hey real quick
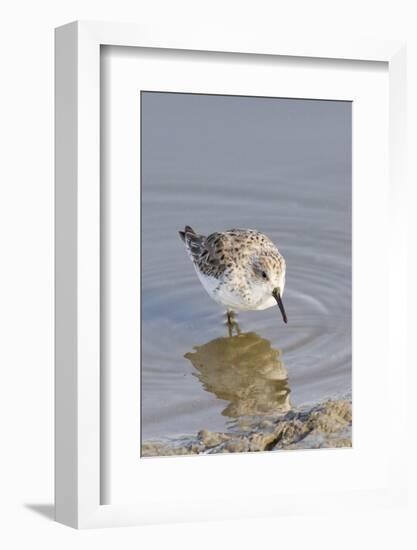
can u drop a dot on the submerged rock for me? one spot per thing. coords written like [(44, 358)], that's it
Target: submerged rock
[(326, 425)]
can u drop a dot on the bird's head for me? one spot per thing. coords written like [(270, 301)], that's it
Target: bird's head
[(267, 276)]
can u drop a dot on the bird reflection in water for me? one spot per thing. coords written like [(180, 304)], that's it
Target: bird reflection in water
[(245, 371)]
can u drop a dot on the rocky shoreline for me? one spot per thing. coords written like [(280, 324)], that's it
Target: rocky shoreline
[(324, 425)]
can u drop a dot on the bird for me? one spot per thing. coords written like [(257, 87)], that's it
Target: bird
[(241, 269)]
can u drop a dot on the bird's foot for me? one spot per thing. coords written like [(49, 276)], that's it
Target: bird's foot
[(232, 324)]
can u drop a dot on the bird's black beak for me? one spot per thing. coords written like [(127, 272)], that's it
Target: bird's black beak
[(276, 294)]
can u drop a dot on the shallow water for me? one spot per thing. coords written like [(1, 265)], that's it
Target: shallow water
[(279, 166)]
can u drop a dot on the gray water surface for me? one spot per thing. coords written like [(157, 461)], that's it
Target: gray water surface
[(277, 165)]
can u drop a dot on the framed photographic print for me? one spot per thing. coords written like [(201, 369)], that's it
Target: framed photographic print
[(228, 212)]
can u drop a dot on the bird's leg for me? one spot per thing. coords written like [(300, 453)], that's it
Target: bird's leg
[(232, 323), (229, 316)]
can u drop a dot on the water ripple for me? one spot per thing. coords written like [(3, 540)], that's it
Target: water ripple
[(178, 315)]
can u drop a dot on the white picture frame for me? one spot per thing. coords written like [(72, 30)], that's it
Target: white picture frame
[(78, 411)]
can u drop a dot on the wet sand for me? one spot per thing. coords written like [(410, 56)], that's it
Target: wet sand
[(324, 425)]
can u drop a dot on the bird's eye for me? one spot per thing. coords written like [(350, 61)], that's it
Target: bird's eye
[(264, 275)]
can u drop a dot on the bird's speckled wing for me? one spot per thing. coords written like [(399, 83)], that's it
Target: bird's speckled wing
[(205, 252)]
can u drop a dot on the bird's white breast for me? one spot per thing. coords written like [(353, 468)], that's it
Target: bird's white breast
[(225, 294)]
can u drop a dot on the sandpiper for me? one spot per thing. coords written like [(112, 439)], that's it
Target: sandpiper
[(239, 268)]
